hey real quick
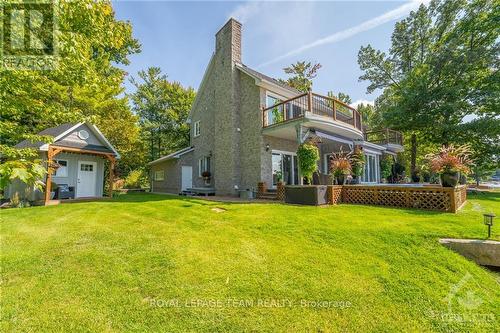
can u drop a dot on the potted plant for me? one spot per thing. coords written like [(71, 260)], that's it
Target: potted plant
[(340, 166), (308, 156), (386, 163), (206, 177), (449, 162), (357, 164), (53, 190)]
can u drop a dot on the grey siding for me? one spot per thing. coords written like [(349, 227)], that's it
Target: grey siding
[(172, 170), (73, 137), (71, 178)]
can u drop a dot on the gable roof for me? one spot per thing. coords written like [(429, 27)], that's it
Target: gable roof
[(59, 132), (176, 154), (263, 77), (53, 131)]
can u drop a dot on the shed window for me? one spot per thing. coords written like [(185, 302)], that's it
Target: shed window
[(62, 170), (159, 175)]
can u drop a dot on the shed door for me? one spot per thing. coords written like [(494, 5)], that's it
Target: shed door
[(186, 177), (86, 182)]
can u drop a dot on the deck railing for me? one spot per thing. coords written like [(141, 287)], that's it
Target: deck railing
[(386, 136), (315, 104)]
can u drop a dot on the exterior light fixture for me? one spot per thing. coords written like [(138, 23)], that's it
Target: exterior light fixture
[(267, 146), (488, 220)]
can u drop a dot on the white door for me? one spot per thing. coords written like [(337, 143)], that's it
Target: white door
[(186, 177), (86, 181)]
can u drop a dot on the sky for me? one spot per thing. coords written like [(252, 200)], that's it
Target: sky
[(179, 37)]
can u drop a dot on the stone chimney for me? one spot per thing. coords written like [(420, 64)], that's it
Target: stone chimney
[(228, 40)]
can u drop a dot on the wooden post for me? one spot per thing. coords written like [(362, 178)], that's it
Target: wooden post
[(48, 182), (111, 174), (309, 101), (334, 111)]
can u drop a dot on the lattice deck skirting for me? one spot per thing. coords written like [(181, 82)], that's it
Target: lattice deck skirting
[(428, 197), (448, 199)]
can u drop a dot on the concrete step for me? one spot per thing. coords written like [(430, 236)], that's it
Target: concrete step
[(267, 196)]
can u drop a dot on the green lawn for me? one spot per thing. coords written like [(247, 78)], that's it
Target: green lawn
[(146, 262)]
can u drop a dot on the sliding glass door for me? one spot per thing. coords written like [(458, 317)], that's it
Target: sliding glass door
[(370, 174), (284, 168)]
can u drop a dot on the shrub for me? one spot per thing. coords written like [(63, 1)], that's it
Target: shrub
[(135, 179), (386, 163)]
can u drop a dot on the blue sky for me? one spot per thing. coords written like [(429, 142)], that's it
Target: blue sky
[(179, 37)]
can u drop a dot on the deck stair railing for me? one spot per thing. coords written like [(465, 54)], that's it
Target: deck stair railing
[(315, 104)]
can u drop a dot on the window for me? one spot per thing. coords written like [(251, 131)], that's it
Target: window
[(62, 171), (159, 175), (370, 174), (86, 167), (83, 134), (197, 130), (203, 165)]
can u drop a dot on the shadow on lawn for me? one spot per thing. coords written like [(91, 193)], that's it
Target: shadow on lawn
[(151, 197)]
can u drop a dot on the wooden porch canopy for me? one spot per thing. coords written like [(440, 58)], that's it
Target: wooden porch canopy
[(53, 150)]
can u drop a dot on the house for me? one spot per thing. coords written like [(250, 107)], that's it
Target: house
[(75, 160), (246, 128)]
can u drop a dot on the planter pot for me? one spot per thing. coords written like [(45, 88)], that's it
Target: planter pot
[(356, 180), (341, 180), (450, 179), (415, 178), (306, 195)]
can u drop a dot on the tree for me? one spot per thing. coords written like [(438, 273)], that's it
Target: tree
[(85, 84), (370, 116), (163, 109), (441, 67), (340, 96), (302, 74)]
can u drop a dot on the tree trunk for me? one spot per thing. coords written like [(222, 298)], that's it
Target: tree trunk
[(413, 156)]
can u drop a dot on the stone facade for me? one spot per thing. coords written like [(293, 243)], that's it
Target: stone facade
[(227, 107), (228, 111)]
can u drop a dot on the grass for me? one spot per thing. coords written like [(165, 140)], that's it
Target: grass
[(145, 262)]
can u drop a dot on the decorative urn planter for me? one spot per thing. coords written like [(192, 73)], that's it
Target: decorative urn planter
[(341, 179), (450, 179)]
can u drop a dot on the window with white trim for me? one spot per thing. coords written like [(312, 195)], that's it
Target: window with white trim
[(62, 170), (196, 129), (203, 165), (159, 175)]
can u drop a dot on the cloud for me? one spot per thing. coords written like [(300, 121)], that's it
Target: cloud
[(347, 33), (362, 101), (244, 12)]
